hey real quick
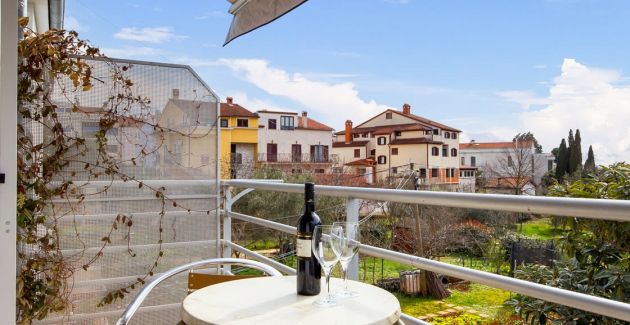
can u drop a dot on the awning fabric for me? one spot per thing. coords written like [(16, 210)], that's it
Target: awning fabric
[(252, 14)]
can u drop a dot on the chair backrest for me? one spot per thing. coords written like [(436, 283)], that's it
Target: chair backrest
[(146, 289)]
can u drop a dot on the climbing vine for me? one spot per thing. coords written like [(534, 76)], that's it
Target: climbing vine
[(56, 163)]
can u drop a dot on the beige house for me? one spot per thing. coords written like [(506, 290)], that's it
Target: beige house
[(395, 143)]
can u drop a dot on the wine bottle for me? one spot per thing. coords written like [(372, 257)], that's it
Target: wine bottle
[(309, 271)]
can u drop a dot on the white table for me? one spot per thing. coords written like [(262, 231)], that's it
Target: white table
[(273, 300)]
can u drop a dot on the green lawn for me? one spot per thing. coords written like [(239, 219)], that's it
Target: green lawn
[(540, 229)]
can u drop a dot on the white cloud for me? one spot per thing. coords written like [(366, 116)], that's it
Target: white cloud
[(212, 14), (596, 101), (132, 52), (332, 102), (256, 104), (526, 99), (71, 23), (148, 34)]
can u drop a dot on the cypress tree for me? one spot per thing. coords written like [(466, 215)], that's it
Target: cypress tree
[(562, 160), (575, 154), (589, 165)]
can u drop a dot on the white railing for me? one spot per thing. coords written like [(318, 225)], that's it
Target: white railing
[(615, 210)]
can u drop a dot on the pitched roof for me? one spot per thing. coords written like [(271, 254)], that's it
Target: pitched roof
[(495, 145), (276, 112), (235, 110), (361, 162), (311, 124), (507, 182), (418, 118), (387, 129), (341, 144), (414, 141)]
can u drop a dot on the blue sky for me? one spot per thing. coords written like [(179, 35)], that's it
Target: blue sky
[(490, 68)]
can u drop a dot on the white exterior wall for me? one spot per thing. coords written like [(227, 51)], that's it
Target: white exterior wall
[(488, 160), (381, 120), (286, 138)]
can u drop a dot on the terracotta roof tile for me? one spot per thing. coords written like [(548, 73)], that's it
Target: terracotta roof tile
[(340, 144), (361, 162), (235, 110), (386, 129), (311, 124), (494, 145)]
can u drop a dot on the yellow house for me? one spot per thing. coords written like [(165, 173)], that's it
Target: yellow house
[(188, 140), (239, 140)]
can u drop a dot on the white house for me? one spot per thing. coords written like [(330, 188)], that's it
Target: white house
[(506, 161), (394, 143), (293, 143)]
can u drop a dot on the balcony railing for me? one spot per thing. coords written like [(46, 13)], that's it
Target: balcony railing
[(585, 208), (285, 158)]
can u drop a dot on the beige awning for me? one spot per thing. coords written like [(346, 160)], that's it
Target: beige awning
[(252, 14)]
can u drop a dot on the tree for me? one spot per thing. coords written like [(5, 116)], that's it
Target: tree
[(516, 166), (597, 254), (589, 165), (562, 160), (575, 153), (529, 136)]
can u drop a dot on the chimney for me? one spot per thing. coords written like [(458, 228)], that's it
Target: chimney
[(304, 119), (175, 93), (348, 131), (406, 108), (230, 100)]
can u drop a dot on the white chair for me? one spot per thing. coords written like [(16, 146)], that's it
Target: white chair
[(146, 289)]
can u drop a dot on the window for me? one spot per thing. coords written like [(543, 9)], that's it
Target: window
[(447, 135), (205, 159), (444, 151), (463, 161), (388, 116), (357, 153), (549, 164), (272, 123), (394, 170), (453, 152), (337, 170), (436, 132), (448, 172), (356, 135), (434, 172), (224, 123), (362, 171), (453, 171), (394, 151), (382, 160), (423, 173), (319, 153), (435, 151), (473, 161), (454, 135), (242, 122), (372, 152), (319, 171), (296, 152), (90, 129), (286, 123), (510, 161), (398, 133), (364, 135), (382, 140)]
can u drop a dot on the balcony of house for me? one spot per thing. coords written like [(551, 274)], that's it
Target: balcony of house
[(295, 158)]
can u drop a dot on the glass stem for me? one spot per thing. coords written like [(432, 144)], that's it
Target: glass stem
[(344, 269), (328, 284)]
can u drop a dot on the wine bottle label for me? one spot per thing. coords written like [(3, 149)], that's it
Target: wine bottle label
[(303, 247)]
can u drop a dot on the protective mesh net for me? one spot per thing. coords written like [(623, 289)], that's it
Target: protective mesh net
[(179, 162)]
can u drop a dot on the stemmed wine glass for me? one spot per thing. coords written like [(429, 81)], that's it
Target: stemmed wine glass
[(349, 248), (326, 245)]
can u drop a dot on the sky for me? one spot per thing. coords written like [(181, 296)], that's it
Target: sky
[(492, 68)]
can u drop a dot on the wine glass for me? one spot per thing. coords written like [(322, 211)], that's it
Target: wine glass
[(326, 245), (349, 248)]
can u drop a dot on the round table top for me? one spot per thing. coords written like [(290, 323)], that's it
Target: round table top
[(273, 300)]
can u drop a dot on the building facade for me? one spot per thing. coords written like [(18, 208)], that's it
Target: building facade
[(294, 143), (239, 140), (395, 143), (504, 164)]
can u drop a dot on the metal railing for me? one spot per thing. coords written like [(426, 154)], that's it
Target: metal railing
[(615, 210), (296, 158)]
